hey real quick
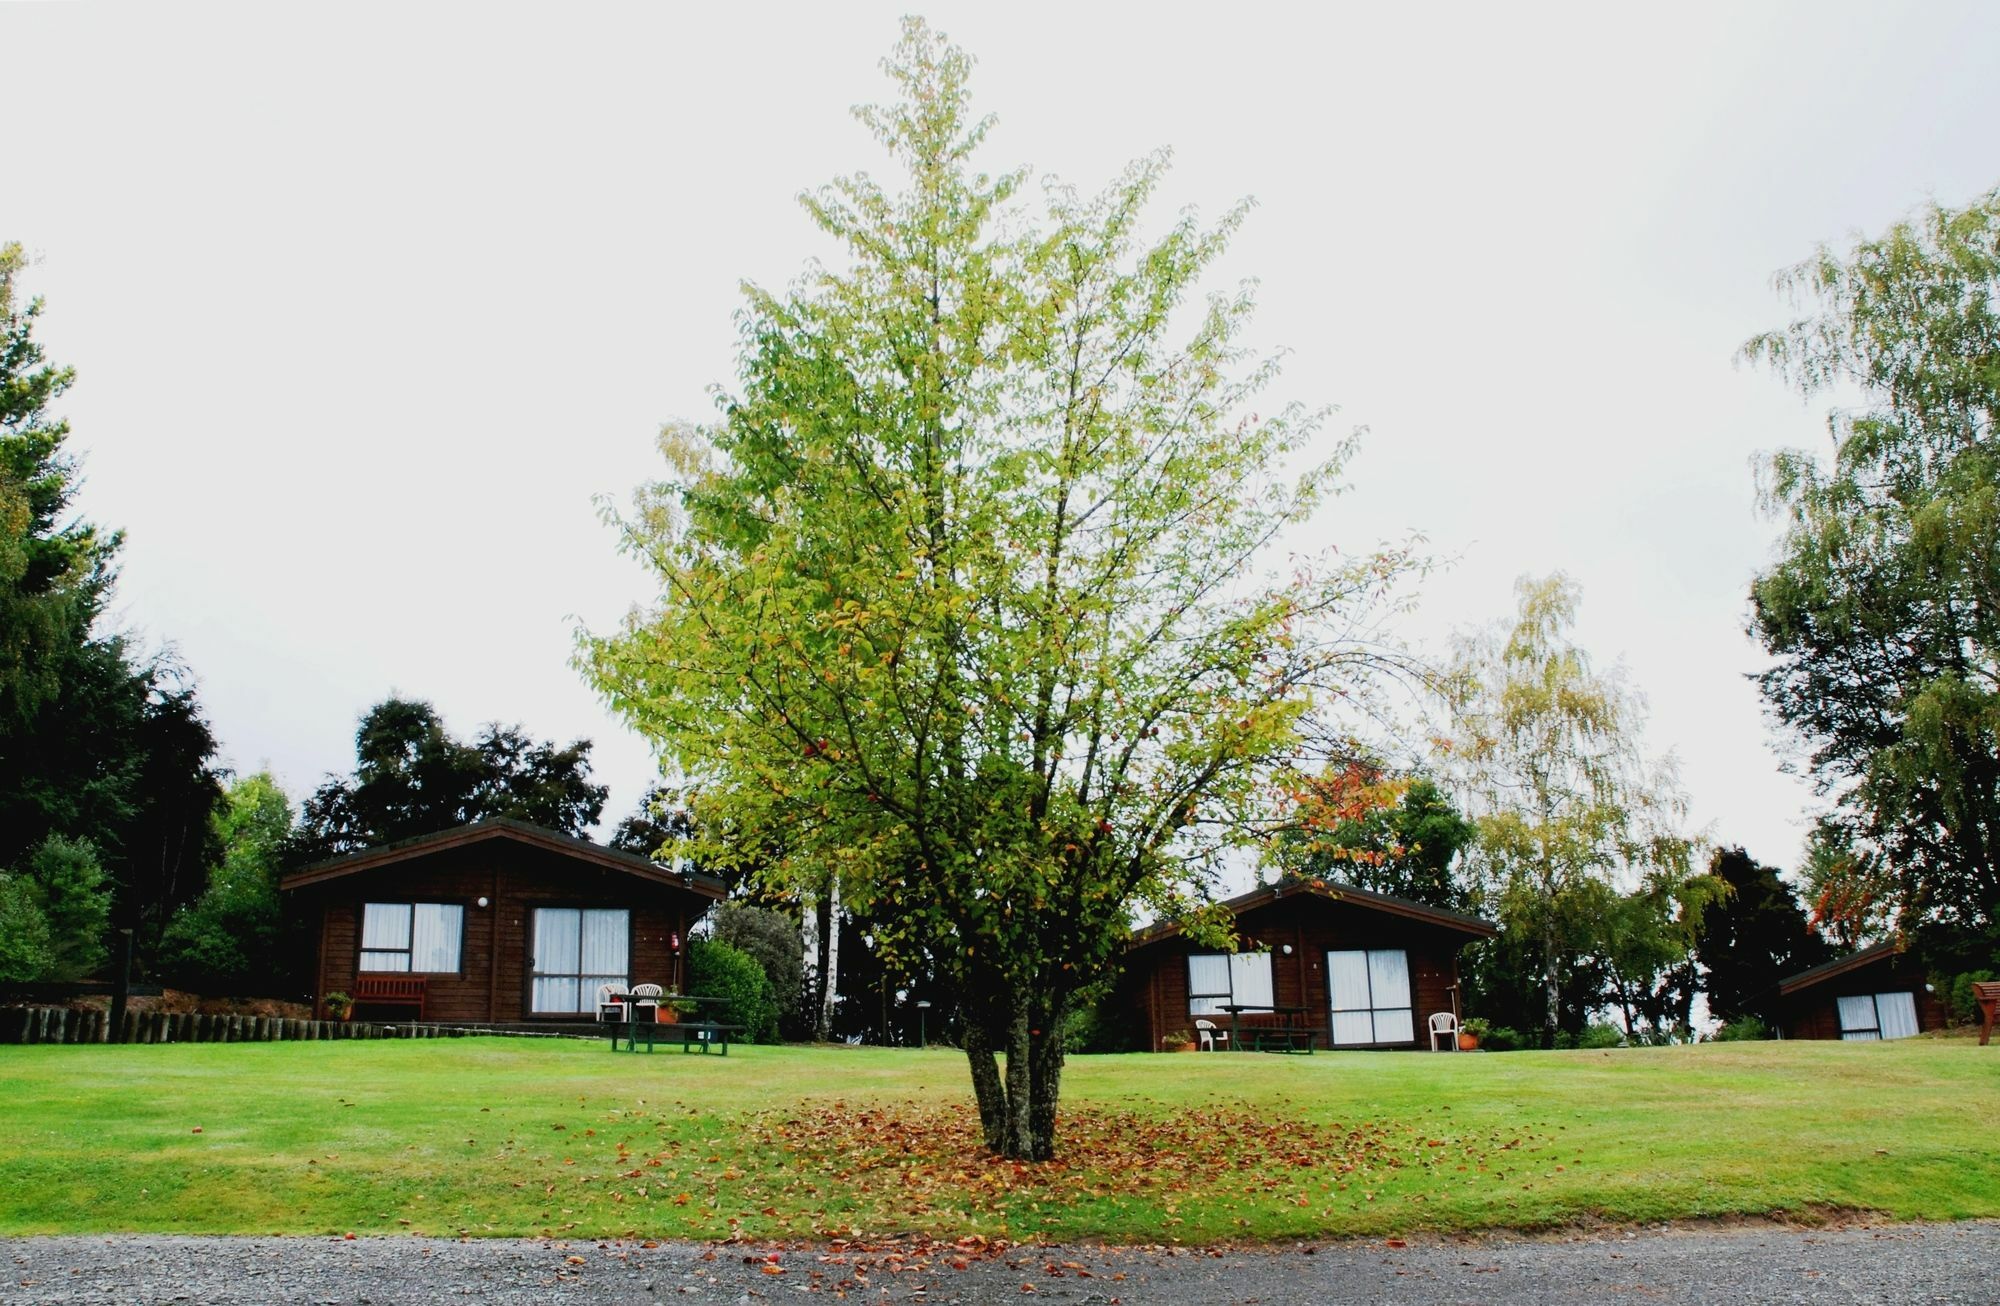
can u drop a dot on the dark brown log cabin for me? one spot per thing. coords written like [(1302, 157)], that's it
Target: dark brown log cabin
[(495, 922), (1876, 993), (1394, 963)]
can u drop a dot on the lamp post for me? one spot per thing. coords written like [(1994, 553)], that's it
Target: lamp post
[(923, 1017)]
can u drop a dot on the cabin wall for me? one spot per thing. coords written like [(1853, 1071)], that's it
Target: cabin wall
[(1312, 926), (492, 983)]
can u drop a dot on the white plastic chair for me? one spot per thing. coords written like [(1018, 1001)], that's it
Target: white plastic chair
[(607, 1010), (1446, 1024), (646, 1001), (1207, 1035)]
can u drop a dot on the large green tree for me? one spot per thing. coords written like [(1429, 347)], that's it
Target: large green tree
[(1882, 611), (412, 777), (99, 743), (1754, 937), (962, 599), (231, 939), (1572, 816)]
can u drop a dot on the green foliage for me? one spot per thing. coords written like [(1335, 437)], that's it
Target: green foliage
[(1598, 1035), (963, 602), (1960, 1005), (411, 777), (26, 951), (230, 940), (1403, 843), (1503, 1038), (1883, 610), (1743, 1029), (1582, 854), (96, 742), (717, 970), (773, 939), (54, 913), (1753, 937)]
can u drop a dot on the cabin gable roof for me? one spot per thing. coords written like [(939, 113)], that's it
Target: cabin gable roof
[(1331, 891), (508, 830)]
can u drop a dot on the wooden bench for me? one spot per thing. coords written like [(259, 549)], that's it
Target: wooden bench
[(1987, 994), (391, 990)]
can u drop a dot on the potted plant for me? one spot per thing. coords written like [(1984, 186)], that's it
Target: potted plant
[(1178, 1041), (339, 1006), (1470, 1032), (671, 1010)]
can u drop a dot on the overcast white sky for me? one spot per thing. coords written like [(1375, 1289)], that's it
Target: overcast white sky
[(368, 302)]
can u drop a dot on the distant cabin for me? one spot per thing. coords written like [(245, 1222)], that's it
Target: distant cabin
[(1876, 993), (496, 922), (1358, 969)]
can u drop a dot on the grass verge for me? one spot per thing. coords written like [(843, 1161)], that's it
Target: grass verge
[(525, 1137)]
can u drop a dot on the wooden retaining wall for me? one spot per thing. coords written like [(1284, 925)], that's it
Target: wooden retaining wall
[(63, 1025)]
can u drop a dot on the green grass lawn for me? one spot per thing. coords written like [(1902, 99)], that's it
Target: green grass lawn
[(506, 1136)]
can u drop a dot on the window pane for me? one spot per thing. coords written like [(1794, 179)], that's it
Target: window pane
[(1898, 1014), (1395, 1027), (1857, 1017), (1388, 981), (606, 934), (560, 996), (434, 936), (1208, 973), (385, 961), (1353, 1027), (1347, 977), (385, 925), (556, 943), (1250, 978)]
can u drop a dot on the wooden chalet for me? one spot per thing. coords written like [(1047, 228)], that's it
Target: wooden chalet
[(1876, 993), (1356, 969), (498, 922)]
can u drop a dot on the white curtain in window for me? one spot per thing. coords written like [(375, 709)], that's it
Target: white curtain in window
[(1347, 982), (1250, 979), (1208, 974), (434, 934), (1898, 1014), (559, 995), (1857, 1019), (1389, 985), (556, 940), (385, 925), (606, 934)]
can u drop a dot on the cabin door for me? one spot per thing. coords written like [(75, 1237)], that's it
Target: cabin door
[(1370, 992), (574, 951)]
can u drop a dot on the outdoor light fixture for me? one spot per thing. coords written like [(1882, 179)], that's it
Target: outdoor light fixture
[(1288, 949), (482, 902)]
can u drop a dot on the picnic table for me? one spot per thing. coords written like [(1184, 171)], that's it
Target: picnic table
[(1292, 1031), (632, 1026)]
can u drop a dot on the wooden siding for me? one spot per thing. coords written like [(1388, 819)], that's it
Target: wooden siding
[(1814, 1012), (492, 982), (1155, 988)]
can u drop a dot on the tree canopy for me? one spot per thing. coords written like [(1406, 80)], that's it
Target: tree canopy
[(1883, 609), (966, 600), (412, 777)]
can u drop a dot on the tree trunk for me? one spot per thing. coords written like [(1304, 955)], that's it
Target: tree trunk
[(831, 975), (1045, 1081), (986, 1086), (1552, 984)]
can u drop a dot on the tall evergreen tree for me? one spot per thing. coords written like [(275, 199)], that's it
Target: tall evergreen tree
[(1753, 937)]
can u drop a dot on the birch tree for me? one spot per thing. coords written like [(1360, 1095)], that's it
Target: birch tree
[(1570, 812), (971, 588)]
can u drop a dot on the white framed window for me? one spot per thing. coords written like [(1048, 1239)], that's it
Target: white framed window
[(1219, 979), (576, 950), (423, 937), (1870, 1016), (1370, 993)]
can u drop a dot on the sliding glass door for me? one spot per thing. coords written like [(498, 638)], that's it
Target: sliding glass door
[(576, 949)]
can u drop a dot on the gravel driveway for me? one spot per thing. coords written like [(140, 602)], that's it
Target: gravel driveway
[(1885, 1263)]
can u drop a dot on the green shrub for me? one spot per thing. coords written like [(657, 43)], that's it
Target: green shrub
[(1600, 1035), (1959, 1003), (717, 970), (1743, 1029), (25, 953), (1501, 1038)]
